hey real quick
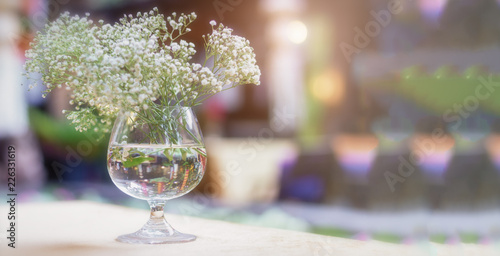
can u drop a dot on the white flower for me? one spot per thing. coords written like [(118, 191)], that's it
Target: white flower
[(142, 97), (175, 47), (135, 64)]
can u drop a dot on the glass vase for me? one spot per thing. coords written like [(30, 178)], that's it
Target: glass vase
[(156, 155)]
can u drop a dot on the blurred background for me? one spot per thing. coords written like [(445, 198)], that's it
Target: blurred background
[(375, 119)]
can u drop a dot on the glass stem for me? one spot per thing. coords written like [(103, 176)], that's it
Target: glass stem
[(157, 220), (156, 208)]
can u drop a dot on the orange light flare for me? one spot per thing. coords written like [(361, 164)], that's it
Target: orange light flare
[(161, 186), (346, 143), (186, 175)]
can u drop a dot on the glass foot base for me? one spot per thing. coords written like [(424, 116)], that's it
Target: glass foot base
[(157, 237), (156, 230)]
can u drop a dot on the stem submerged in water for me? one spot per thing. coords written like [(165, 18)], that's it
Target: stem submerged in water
[(168, 126)]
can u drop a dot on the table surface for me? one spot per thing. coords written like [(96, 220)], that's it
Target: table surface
[(87, 228)]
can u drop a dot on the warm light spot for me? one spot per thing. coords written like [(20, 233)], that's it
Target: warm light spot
[(358, 143), (426, 142), (297, 32), (329, 87)]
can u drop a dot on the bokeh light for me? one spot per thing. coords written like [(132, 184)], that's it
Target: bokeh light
[(297, 32)]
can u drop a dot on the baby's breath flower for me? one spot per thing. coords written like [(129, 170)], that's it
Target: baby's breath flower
[(138, 64)]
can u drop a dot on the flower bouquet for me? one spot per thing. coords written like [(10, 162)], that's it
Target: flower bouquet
[(139, 64)]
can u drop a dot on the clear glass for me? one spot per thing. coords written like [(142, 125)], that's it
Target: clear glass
[(156, 160)]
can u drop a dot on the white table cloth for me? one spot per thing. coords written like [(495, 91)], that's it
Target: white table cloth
[(74, 228)]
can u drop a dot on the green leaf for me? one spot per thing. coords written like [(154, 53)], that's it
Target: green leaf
[(201, 152), (169, 154), (136, 161), (137, 152), (161, 179), (177, 153)]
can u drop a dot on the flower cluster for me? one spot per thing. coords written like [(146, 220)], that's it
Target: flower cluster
[(234, 56), (137, 64)]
